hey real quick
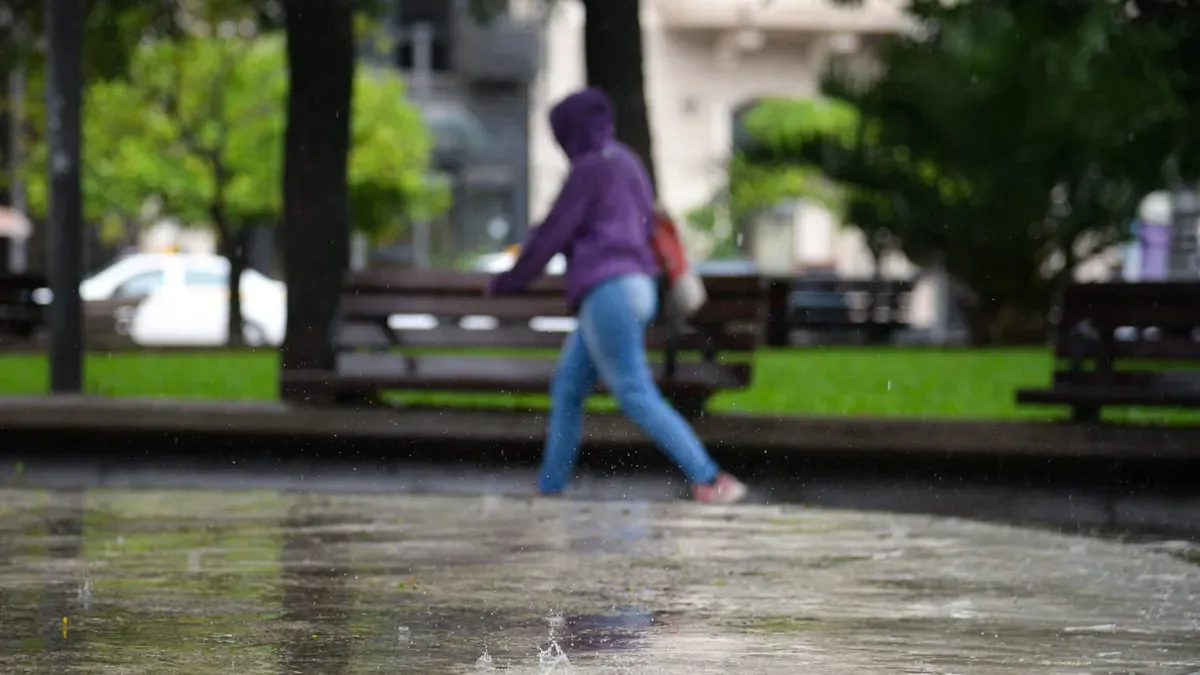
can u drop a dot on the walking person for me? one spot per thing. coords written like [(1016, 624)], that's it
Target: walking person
[(601, 222)]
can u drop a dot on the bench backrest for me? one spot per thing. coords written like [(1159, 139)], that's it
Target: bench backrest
[(19, 313), (1157, 320), (448, 309), (858, 300)]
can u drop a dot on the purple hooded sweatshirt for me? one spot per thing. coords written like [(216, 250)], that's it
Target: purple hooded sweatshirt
[(601, 219)]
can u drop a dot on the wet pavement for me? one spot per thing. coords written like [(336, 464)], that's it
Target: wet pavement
[(279, 581)]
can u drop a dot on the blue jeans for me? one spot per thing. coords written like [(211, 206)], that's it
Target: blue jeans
[(610, 344)]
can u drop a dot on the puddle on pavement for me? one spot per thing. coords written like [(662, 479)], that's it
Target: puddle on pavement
[(194, 582)]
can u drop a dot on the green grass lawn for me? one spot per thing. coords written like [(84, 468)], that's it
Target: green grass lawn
[(849, 381), (213, 375), (890, 382)]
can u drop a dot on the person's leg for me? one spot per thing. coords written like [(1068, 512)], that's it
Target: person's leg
[(574, 381), (613, 322)]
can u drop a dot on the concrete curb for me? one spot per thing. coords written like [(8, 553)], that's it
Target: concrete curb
[(785, 435)]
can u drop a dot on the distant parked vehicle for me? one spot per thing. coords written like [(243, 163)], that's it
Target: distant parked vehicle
[(165, 299)]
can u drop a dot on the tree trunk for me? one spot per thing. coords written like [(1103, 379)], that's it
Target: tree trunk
[(613, 52), (316, 246), (234, 250)]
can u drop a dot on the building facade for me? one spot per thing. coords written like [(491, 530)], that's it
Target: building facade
[(705, 61), (472, 82)]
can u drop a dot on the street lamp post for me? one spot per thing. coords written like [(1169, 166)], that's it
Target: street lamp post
[(64, 94)]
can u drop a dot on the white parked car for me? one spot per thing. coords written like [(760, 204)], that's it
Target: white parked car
[(186, 300)]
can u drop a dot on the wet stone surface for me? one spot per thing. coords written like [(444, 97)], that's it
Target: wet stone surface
[(165, 582)]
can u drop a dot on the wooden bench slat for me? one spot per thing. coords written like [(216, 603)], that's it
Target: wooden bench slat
[(379, 305), (434, 282), (1166, 349), (1122, 292), (22, 282), (365, 307), (20, 312), (1165, 317), (20, 316), (1092, 395), (372, 335), (1173, 380)]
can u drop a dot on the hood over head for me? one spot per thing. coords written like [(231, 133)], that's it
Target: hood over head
[(583, 122)]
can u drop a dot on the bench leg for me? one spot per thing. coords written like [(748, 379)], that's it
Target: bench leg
[(301, 396), (1085, 414), (358, 398), (691, 406), (319, 396)]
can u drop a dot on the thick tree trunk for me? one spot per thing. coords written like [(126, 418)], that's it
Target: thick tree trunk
[(316, 247), (614, 56)]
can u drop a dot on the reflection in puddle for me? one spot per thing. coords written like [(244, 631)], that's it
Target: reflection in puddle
[(248, 582), (60, 617), (315, 597), (624, 628)]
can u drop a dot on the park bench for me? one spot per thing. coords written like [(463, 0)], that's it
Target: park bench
[(873, 309), (21, 317), (106, 323), (1122, 344), (435, 331)]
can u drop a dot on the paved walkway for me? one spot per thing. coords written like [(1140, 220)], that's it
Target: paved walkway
[(269, 581)]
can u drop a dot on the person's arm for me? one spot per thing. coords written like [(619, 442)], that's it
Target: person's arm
[(549, 238)]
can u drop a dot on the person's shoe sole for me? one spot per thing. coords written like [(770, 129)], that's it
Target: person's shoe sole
[(734, 495)]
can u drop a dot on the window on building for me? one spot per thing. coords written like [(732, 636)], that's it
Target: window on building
[(438, 15), (742, 139)]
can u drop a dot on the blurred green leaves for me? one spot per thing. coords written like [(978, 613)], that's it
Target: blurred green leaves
[(198, 122), (1007, 139), (755, 185)]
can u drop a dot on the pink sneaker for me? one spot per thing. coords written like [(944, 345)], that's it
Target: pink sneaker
[(724, 490)]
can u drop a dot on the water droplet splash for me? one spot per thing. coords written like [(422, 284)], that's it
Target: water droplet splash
[(552, 658), (484, 662)]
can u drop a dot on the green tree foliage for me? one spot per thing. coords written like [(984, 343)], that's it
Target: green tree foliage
[(198, 125), (1007, 140), (754, 186)]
